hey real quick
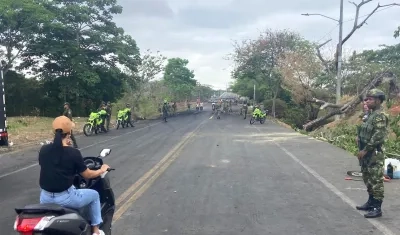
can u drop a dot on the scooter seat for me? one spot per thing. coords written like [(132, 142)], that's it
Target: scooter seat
[(45, 208), (51, 208)]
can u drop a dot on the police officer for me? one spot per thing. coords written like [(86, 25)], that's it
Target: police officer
[(129, 113), (372, 136), (102, 104), (68, 113), (108, 118), (103, 115)]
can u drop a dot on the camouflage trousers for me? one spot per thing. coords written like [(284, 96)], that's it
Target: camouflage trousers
[(372, 171)]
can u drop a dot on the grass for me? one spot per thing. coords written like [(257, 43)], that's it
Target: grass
[(28, 130), (32, 130)]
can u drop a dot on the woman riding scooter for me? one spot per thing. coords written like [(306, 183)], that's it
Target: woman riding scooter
[(59, 163)]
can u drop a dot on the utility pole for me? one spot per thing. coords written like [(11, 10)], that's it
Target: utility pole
[(339, 50), (254, 93), (339, 59)]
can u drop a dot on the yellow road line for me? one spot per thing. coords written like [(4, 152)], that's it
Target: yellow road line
[(124, 207), (158, 169), (147, 175)]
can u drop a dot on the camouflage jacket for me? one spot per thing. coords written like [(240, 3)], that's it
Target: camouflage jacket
[(165, 108), (68, 113), (364, 117), (374, 130), (109, 109)]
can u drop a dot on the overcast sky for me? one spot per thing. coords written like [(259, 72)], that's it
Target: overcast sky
[(202, 31)]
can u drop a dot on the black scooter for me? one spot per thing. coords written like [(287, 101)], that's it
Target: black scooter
[(52, 219)]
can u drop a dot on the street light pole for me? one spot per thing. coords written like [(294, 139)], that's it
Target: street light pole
[(254, 93), (339, 50), (339, 59)]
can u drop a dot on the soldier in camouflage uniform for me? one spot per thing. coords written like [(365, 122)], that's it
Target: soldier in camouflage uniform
[(364, 117), (108, 118), (68, 113), (371, 138), (244, 109)]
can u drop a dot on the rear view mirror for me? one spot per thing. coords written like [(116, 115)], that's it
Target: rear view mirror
[(105, 152)]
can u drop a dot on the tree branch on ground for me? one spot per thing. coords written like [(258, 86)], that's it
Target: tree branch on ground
[(345, 108)]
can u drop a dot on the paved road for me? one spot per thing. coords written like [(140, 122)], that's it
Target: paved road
[(199, 175)]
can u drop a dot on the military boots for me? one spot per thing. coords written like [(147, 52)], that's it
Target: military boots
[(367, 206), (375, 211)]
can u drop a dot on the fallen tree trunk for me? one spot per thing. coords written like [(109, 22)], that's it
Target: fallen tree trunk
[(345, 108)]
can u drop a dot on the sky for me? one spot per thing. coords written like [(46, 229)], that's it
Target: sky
[(203, 31)]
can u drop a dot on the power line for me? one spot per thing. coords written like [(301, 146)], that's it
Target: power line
[(346, 21), (330, 32), (368, 14)]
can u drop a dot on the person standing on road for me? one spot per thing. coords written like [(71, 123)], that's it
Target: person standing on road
[(244, 109), (129, 111), (372, 136), (102, 104), (108, 118), (68, 113), (165, 110), (174, 108)]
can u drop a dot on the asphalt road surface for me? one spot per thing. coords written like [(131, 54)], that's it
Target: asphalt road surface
[(196, 175)]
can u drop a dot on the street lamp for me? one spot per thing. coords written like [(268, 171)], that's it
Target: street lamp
[(339, 51), (317, 14)]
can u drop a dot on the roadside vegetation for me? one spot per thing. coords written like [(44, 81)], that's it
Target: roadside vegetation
[(295, 79), (72, 51)]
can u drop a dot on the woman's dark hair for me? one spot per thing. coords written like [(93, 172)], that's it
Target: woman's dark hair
[(58, 148)]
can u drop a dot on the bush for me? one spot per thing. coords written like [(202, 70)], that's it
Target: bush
[(344, 136), (295, 117), (147, 108), (280, 107)]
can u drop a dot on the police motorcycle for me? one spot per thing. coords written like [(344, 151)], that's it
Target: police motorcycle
[(261, 117), (53, 219)]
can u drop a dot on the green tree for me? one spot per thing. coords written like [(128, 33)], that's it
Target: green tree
[(258, 59), (202, 91), (152, 64), (397, 32), (179, 78), (83, 51), (20, 22)]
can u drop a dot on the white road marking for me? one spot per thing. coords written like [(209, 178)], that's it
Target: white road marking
[(380, 226)]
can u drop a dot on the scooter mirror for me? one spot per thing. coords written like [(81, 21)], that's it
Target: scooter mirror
[(105, 152)]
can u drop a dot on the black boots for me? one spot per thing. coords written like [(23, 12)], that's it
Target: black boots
[(367, 206), (375, 211), (373, 207)]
